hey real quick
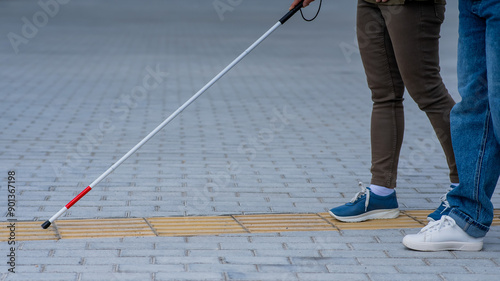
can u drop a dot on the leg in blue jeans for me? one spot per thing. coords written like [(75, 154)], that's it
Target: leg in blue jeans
[(475, 121)]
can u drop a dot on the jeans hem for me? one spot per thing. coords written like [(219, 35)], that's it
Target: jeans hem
[(470, 226)]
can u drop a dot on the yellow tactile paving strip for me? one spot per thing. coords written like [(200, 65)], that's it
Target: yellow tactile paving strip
[(98, 228), (192, 226), (284, 222), (196, 226)]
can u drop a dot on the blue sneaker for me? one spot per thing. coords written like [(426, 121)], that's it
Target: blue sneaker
[(442, 210), (367, 205)]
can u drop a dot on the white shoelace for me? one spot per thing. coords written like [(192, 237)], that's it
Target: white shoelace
[(364, 191), (444, 200), (438, 225)]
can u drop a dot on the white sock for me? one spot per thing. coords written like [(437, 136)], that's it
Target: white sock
[(381, 190)]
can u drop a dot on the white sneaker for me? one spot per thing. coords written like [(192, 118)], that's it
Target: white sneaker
[(442, 235)]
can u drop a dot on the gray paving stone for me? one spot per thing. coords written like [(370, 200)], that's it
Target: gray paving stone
[(187, 260), (414, 269), (262, 276), (39, 276), (406, 277), (254, 246), (293, 268), (116, 276), (393, 262), (353, 254), (189, 276), (222, 253), (471, 277), (257, 260), (230, 268), (58, 268), (149, 253), (150, 268), (361, 269), (50, 260), (332, 276), (120, 260), (82, 252), (311, 259), (194, 246)]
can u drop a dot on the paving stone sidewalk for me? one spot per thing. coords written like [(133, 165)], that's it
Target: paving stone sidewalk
[(287, 130)]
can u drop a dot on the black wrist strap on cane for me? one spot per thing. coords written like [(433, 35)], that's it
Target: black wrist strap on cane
[(296, 9), (317, 13)]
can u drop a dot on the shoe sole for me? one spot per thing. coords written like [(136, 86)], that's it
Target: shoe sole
[(444, 246), (372, 215)]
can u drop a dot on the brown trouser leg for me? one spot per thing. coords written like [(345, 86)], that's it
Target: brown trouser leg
[(399, 47)]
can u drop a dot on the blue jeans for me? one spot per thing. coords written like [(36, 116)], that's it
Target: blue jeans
[(475, 121)]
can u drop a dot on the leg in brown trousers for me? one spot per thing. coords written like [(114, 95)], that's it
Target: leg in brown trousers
[(399, 48)]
